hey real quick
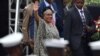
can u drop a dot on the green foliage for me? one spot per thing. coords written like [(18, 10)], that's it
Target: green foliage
[(95, 36), (90, 2)]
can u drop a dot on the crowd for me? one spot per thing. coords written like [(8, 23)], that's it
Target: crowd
[(53, 19), (48, 20)]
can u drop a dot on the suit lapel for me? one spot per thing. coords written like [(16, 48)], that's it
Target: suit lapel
[(77, 14), (54, 6), (87, 17)]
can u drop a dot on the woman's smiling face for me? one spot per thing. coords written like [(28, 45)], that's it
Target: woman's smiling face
[(47, 15)]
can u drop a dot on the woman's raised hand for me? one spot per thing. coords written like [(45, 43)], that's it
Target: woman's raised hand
[(36, 6), (35, 9)]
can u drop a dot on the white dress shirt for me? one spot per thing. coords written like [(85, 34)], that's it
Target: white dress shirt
[(82, 15)]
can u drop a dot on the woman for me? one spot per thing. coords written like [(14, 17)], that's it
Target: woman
[(46, 29)]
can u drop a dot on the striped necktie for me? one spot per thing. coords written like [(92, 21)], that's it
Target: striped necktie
[(83, 20)]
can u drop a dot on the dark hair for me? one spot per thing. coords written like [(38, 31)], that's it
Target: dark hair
[(75, 0), (46, 8), (34, 1)]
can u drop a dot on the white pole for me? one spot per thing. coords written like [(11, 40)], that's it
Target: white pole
[(17, 15)]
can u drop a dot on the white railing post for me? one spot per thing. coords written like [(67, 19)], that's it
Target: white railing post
[(17, 15)]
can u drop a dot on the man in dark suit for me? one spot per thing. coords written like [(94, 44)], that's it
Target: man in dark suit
[(77, 27), (56, 16)]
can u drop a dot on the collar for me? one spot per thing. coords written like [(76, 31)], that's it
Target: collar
[(46, 3), (67, 7), (79, 9)]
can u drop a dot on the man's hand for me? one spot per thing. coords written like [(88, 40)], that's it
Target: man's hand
[(31, 43), (26, 41), (89, 29)]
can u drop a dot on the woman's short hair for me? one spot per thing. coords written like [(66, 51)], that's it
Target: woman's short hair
[(46, 8)]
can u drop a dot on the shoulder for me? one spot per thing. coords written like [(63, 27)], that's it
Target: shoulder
[(54, 5), (29, 6), (72, 10), (28, 9), (86, 9), (42, 3), (41, 23)]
